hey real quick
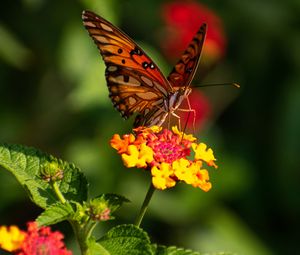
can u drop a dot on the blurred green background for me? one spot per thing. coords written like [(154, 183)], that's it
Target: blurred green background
[(53, 96)]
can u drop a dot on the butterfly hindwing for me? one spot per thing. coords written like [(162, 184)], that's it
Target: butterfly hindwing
[(185, 69), (134, 81)]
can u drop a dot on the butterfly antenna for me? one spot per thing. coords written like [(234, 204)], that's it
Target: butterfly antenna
[(234, 84)]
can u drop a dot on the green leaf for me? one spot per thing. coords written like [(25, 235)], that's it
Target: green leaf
[(55, 213), (172, 250), (126, 240), (95, 248), (27, 163)]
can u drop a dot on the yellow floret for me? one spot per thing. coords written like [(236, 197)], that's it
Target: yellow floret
[(202, 153), (161, 176), (138, 157), (11, 238), (189, 137)]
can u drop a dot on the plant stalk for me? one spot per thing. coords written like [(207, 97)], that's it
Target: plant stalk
[(80, 237), (144, 205), (58, 193)]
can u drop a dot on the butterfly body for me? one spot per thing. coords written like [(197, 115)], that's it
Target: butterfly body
[(135, 83), (161, 112)]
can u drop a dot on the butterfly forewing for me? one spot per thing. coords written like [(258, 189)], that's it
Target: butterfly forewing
[(185, 69), (134, 81)]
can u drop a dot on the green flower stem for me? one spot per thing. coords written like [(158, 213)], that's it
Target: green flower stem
[(89, 229), (83, 234), (80, 236), (58, 193), (145, 205)]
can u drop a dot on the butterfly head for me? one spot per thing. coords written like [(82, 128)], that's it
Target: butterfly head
[(184, 91), (177, 97)]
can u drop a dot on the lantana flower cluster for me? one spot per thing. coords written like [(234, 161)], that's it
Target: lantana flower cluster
[(170, 155), (34, 241)]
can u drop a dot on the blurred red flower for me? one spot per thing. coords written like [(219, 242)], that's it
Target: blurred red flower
[(43, 241), (183, 19), (35, 241)]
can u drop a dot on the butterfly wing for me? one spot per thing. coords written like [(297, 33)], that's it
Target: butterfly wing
[(185, 69), (134, 81)]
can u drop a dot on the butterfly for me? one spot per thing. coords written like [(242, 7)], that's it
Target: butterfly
[(135, 83)]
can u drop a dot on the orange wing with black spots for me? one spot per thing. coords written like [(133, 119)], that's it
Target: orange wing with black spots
[(134, 81), (185, 69)]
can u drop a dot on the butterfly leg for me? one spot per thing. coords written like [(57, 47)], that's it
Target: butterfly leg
[(176, 116), (189, 111)]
